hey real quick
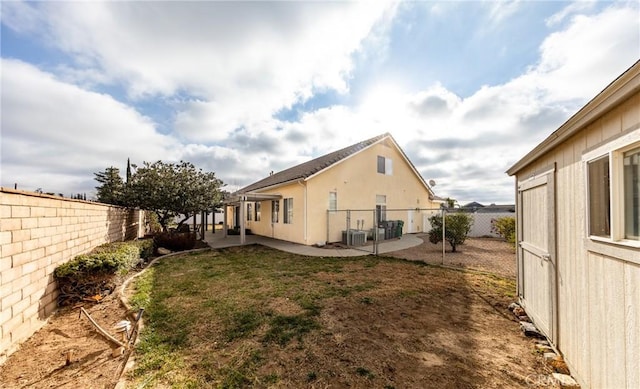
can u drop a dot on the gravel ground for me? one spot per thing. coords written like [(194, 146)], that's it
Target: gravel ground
[(491, 255)]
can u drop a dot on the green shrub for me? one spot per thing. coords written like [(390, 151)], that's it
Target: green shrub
[(95, 273), (505, 227), (175, 241), (457, 227)]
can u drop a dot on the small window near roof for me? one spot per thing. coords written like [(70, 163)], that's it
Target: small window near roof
[(385, 165)]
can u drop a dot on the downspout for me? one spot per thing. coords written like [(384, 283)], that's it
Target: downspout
[(304, 210)]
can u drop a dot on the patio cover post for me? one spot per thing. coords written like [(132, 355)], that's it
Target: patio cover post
[(242, 220), (224, 221)]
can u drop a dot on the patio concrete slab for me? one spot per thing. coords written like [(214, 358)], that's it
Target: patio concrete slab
[(218, 240)]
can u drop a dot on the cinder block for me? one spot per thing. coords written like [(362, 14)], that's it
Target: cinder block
[(5, 316), (30, 245), (36, 288), (29, 312), (20, 307), (12, 324), (20, 235), (50, 212), (11, 225), (28, 268), (5, 211), (5, 237), (10, 299), (19, 259), (5, 263), (8, 275), (37, 212), (18, 284), (20, 211), (22, 332), (11, 249), (29, 222)]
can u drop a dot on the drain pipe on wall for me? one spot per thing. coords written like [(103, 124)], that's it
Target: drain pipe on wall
[(304, 210)]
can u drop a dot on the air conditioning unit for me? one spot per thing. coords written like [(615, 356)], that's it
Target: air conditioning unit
[(354, 238)]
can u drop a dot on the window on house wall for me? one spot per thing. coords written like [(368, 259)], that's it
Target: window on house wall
[(257, 214), (385, 165), (381, 207), (288, 211), (333, 201), (249, 212), (275, 210), (613, 189)]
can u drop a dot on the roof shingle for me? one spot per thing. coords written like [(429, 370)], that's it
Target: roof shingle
[(309, 168)]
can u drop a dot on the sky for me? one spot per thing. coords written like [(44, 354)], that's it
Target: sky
[(241, 89)]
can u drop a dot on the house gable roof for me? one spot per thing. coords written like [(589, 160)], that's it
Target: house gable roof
[(316, 166)]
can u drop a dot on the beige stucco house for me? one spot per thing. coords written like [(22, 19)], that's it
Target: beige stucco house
[(306, 203), (578, 256)]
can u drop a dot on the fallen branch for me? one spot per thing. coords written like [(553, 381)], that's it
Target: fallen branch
[(100, 330)]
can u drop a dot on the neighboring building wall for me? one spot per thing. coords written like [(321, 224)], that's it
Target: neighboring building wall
[(598, 283), (37, 234)]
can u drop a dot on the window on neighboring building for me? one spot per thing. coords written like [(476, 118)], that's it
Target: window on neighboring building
[(613, 189), (275, 210), (381, 207), (333, 201), (249, 212), (385, 165), (288, 211), (257, 214)]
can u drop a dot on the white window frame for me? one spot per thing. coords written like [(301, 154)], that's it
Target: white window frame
[(333, 201), (388, 165), (249, 212), (257, 213), (275, 211), (287, 215), (614, 150)]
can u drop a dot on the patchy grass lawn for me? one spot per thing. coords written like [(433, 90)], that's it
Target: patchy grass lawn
[(256, 317)]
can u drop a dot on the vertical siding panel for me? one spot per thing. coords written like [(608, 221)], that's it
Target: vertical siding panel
[(613, 365), (632, 323), (596, 333), (581, 265)]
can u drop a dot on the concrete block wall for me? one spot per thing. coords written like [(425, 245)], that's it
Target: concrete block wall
[(38, 233)]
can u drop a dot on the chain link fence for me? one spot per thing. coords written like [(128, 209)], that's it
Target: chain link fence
[(367, 229)]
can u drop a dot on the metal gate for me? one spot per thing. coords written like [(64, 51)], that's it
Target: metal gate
[(536, 251)]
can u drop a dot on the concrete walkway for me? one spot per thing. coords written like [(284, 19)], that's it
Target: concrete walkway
[(218, 240)]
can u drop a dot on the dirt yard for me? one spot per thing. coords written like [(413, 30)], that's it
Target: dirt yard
[(383, 323), (41, 362), (485, 254)]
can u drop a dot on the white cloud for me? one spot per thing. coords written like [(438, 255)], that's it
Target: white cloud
[(573, 8), (50, 126), (237, 60)]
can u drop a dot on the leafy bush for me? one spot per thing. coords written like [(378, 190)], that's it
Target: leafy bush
[(175, 241), (457, 227), (95, 273), (505, 227)]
